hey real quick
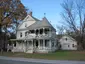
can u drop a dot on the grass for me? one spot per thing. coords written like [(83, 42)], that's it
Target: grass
[(58, 55)]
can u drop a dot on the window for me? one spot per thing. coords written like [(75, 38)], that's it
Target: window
[(32, 31), (52, 44), (37, 31), (73, 45), (66, 39), (41, 42), (20, 34), (30, 43), (25, 33), (14, 44), (46, 43), (41, 31), (68, 45), (46, 31), (25, 24)]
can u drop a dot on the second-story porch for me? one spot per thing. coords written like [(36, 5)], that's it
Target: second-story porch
[(40, 33)]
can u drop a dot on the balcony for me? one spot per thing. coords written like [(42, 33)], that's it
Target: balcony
[(38, 36)]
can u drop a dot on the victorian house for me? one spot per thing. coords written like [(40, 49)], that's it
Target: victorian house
[(35, 36)]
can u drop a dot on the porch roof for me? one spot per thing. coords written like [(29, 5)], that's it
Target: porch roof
[(18, 39), (30, 39)]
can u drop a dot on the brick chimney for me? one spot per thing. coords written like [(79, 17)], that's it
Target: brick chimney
[(30, 13)]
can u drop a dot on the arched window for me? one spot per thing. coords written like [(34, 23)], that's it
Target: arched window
[(41, 31), (46, 30), (37, 31)]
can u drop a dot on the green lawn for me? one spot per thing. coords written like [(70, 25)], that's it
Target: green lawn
[(58, 55)]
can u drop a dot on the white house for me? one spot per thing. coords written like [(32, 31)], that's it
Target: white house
[(34, 35), (68, 43)]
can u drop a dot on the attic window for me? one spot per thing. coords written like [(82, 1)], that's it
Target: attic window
[(25, 24)]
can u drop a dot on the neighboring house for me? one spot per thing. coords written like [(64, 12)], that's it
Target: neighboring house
[(68, 43), (34, 35)]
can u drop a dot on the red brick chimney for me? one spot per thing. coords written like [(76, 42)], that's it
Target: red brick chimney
[(30, 13)]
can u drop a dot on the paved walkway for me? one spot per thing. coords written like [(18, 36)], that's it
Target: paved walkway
[(42, 60)]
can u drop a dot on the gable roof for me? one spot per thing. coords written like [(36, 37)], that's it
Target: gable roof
[(45, 22), (35, 18), (40, 24), (65, 36), (25, 20)]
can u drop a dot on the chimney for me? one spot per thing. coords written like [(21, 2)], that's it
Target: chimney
[(30, 13)]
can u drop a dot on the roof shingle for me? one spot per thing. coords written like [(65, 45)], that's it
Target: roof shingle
[(40, 24)]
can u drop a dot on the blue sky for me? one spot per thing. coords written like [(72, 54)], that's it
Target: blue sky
[(52, 8)]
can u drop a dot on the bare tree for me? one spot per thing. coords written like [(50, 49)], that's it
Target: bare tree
[(60, 29), (74, 17)]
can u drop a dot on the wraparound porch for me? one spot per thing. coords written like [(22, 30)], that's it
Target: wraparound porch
[(33, 46)]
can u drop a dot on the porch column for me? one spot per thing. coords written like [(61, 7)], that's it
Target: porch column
[(35, 31), (43, 31), (43, 43), (38, 43), (32, 44), (22, 45), (50, 45), (26, 46), (7, 47), (13, 48), (38, 32)]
